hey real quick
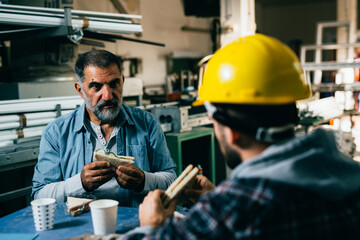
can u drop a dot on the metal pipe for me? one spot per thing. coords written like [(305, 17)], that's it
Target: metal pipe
[(110, 37), (33, 132), (26, 107), (7, 135), (29, 20), (9, 118), (327, 66), (10, 125), (47, 99), (29, 123), (6, 143), (19, 12), (28, 132), (330, 46), (36, 108), (74, 12), (46, 14), (30, 116), (39, 122)]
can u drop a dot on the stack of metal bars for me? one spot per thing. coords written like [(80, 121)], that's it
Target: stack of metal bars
[(53, 17), (21, 119)]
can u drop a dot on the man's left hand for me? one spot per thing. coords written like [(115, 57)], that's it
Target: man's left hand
[(130, 177)]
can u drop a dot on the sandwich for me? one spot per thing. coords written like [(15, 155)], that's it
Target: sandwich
[(77, 206), (113, 159), (185, 180)]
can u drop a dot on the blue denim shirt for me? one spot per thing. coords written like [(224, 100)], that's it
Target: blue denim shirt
[(65, 148)]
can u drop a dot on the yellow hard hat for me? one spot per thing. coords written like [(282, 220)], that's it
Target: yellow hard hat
[(254, 69)]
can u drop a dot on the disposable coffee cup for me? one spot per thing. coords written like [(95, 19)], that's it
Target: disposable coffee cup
[(104, 215), (43, 211)]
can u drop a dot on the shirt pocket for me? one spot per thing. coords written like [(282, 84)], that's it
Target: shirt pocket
[(141, 156)]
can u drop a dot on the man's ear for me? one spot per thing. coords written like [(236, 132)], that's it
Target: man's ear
[(235, 136), (240, 139), (77, 86)]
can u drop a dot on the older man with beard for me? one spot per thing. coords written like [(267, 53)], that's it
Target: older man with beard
[(66, 166)]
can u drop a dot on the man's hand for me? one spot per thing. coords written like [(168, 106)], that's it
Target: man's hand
[(130, 177), (200, 186), (152, 212), (96, 174)]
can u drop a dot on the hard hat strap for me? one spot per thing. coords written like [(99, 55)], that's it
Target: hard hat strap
[(274, 134), (211, 109)]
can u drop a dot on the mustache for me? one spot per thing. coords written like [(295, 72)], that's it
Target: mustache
[(113, 101)]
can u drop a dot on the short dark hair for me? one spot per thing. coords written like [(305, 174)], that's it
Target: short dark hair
[(98, 58), (247, 118)]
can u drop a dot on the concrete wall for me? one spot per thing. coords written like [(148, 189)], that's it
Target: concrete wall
[(161, 21)]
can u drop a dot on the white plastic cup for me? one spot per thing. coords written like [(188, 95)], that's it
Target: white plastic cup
[(43, 212), (104, 216)]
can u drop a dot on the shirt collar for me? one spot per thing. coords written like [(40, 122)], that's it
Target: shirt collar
[(80, 114), (79, 125), (124, 111)]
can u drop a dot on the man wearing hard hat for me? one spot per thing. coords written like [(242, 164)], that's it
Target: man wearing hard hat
[(281, 187)]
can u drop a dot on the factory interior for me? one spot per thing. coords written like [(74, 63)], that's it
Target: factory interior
[(164, 46)]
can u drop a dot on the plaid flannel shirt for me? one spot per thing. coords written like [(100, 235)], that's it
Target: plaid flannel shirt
[(263, 209)]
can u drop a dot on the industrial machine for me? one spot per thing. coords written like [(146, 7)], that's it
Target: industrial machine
[(175, 118)]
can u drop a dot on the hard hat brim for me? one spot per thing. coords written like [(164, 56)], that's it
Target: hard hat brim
[(198, 102)]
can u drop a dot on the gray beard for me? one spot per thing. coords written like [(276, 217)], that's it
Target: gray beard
[(107, 114)]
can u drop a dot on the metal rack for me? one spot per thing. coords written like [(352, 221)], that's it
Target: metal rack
[(342, 65), (318, 66), (320, 111)]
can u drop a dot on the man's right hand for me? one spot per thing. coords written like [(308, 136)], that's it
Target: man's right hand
[(152, 212), (200, 186), (96, 174)]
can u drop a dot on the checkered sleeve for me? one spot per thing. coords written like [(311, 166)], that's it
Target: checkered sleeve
[(226, 213)]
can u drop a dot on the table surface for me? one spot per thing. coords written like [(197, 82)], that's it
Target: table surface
[(65, 225)]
